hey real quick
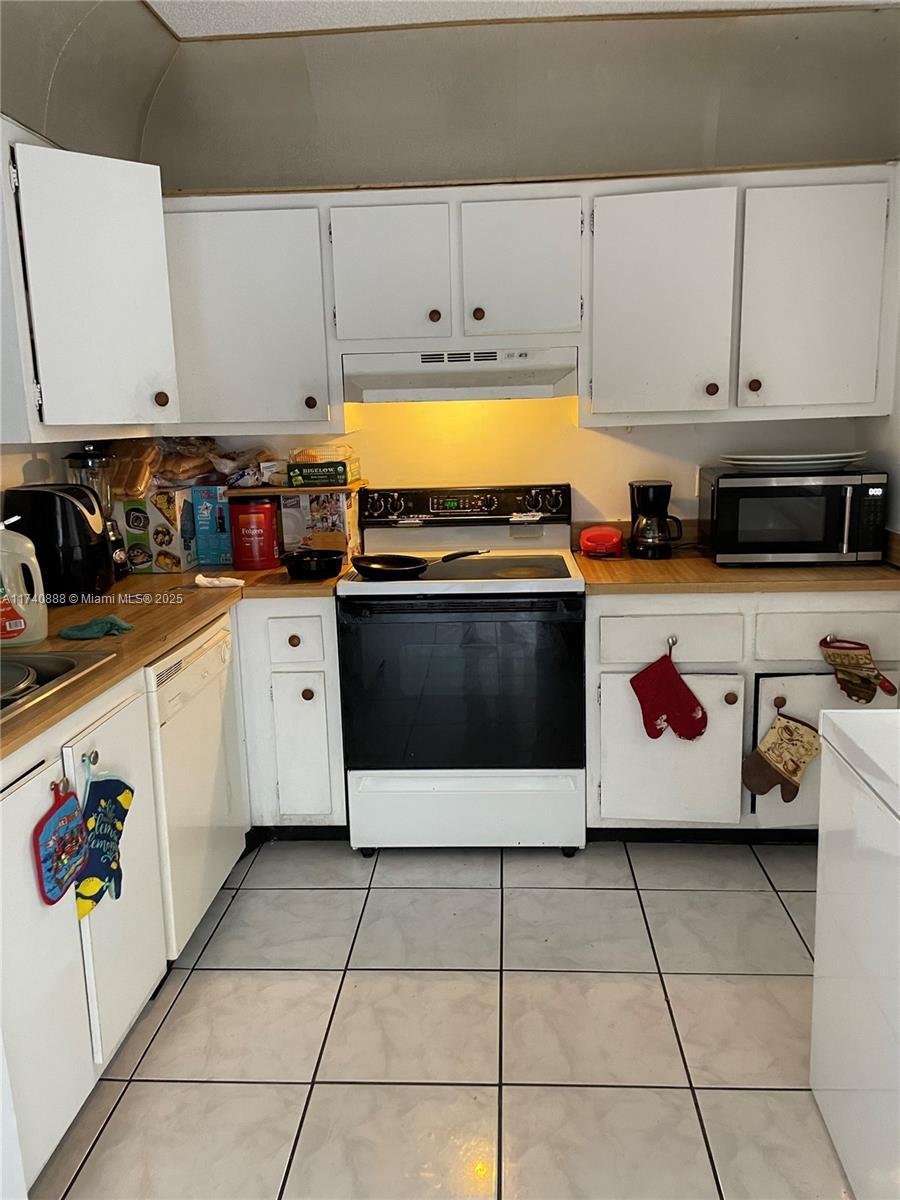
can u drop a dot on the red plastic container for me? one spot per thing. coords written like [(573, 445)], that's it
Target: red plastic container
[(254, 533)]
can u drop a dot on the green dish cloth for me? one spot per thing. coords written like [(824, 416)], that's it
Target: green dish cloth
[(97, 628)]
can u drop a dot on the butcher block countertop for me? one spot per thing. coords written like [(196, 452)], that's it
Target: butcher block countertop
[(165, 610), (690, 571)]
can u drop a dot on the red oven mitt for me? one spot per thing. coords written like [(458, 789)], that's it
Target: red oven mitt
[(667, 702), (855, 670)]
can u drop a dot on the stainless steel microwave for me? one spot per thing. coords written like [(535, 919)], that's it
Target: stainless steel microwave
[(837, 517)]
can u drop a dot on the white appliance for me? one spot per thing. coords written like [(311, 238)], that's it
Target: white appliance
[(521, 373), (203, 806), (463, 688), (855, 1061)]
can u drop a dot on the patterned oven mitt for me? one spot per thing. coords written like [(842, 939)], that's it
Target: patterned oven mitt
[(106, 804), (854, 669), (783, 754)]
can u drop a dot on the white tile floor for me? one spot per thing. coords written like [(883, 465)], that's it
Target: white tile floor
[(631, 1024)]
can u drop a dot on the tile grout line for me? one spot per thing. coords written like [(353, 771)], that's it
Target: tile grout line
[(128, 1082), (783, 905), (498, 1188), (315, 1071), (684, 1061)]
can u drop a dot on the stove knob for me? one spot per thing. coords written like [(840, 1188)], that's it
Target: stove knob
[(533, 501), (489, 503), (395, 505), (554, 501), (375, 506)]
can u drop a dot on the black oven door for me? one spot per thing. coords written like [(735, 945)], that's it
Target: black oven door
[(462, 683), (784, 519)]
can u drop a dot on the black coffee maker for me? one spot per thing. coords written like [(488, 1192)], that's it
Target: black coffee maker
[(651, 533)]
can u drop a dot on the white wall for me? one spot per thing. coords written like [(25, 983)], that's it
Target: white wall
[(533, 441)]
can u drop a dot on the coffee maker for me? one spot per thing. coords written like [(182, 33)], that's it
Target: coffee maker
[(651, 533)]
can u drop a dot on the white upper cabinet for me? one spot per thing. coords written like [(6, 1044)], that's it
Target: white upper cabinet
[(392, 270), (521, 265), (663, 299), (249, 317), (812, 293), (95, 255)]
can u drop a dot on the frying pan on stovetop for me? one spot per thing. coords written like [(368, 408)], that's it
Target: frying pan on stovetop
[(401, 566)]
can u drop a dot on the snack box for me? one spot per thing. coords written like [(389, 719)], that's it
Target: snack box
[(321, 520), (326, 474), (159, 531), (211, 516)]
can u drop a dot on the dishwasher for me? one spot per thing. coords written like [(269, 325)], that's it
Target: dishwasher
[(203, 809)]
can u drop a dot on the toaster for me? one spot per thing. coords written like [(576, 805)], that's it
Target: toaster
[(66, 524)]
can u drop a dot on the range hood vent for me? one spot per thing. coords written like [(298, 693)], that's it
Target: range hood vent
[(508, 374)]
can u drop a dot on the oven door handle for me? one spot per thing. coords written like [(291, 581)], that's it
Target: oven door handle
[(848, 509)]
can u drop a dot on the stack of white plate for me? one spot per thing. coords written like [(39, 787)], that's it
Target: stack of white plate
[(835, 460)]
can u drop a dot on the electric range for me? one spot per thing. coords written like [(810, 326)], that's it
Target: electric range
[(462, 690)]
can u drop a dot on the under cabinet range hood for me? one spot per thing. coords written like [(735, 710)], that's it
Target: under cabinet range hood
[(489, 374)]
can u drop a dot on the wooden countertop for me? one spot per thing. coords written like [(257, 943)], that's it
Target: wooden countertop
[(165, 610), (690, 571)]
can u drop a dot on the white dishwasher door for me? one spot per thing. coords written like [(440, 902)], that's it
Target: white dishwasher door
[(203, 811)]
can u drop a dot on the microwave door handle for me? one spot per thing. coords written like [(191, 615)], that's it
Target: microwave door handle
[(848, 508)]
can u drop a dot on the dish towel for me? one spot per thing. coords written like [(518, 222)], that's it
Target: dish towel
[(97, 628)]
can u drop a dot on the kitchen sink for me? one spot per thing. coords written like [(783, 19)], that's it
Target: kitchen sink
[(26, 678)]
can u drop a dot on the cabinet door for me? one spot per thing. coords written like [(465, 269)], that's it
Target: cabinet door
[(95, 254), (249, 315), (301, 742), (44, 1011), (805, 697), (392, 270), (813, 267), (124, 938), (669, 779), (663, 300), (521, 263)]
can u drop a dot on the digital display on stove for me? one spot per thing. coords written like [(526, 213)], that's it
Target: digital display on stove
[(449, 502)]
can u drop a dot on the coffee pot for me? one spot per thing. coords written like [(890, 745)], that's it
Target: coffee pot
[(651, 526)]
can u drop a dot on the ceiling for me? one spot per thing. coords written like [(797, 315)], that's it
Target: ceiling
[(236, 18)]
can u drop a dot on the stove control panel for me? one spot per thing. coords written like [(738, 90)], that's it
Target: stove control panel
[(502, 505)]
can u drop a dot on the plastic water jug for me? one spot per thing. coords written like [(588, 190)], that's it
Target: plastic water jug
[(23, 612)]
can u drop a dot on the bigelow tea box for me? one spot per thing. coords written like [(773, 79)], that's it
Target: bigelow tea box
[(159, 531), (324, 474)]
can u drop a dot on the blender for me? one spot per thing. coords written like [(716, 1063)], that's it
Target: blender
[(92, 467)]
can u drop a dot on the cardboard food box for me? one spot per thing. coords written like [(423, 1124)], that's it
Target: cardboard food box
[(322, 520), (325, 474), (159, 531), (211, 515)]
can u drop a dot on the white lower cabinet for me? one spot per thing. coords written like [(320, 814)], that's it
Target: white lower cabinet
[(123, 939), (292, 711), (805, 696), (300, 717), (46, 1031), (668, 779)]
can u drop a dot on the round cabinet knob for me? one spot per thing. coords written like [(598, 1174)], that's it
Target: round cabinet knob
[(712, 389), (478, 314), (295, 639), (308, 694), (779, 702), (755, 385), (161, 399), (731, 697), (311, 402), (434, 315)]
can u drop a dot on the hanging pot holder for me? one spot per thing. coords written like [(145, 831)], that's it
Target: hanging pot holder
[(60, 844), (107, 799)]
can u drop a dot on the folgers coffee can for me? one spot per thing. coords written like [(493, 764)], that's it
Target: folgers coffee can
[(254, 533)]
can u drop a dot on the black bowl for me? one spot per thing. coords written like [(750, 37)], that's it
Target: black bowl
[(309, 565)]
